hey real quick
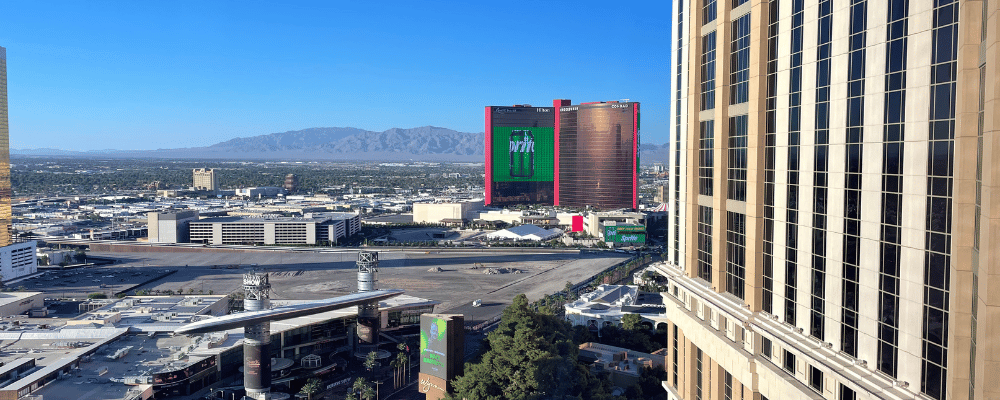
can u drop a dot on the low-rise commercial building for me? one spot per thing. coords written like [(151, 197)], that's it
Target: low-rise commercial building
[(261, 191), (435, 213), (17, 303), (171, 226), (607, 304), (18, 260), (318, 229)]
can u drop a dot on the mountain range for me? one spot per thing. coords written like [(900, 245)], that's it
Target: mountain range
[(427, 143)]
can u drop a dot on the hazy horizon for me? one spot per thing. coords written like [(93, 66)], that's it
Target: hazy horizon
[(145, 76)]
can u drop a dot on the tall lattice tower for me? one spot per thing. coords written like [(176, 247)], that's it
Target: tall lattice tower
[(368, 316), (257, 337)]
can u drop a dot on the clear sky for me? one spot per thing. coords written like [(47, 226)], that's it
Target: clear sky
[(85, 75)]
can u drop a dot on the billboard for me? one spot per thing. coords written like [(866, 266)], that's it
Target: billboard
[(520, 155), (257, 361), (628, 234), (442, 345), (523, 154)]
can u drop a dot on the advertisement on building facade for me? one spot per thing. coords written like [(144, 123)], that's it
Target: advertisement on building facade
[(523, 154), (626, 234), (520, 155)]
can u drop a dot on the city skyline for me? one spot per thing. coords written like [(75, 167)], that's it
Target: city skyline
[(146, 76)]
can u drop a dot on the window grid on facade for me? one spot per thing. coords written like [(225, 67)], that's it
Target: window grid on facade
[(820, 168), (977, 226), (739, 61), (788, 362), (893, 137), (940, 162), (794, 129), (728, 392), (706, 157), (735, 253), (705, 243), (770, 140), (847, 393), (677, 176), (708, 71), (736, 182), (852, 176), (699, 374), (815, 379), (708, 11), (676, 364)]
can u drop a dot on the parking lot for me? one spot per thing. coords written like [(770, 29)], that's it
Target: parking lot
[(79, 282)]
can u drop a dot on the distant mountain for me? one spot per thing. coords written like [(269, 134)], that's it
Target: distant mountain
[(426, 143), (654, 153)]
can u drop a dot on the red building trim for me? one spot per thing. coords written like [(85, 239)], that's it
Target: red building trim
[(555, 178), (489, 155), (635, 156)]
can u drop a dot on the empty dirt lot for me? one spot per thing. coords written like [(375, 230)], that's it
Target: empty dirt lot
[(316, 275)]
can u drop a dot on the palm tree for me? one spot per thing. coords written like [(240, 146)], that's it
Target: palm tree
[(371, 360), (311, 387), (363, 388), (395, 373), (400, 362), (406, 359)]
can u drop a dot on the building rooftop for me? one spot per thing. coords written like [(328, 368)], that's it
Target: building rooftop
[(618, 299), (15, 297)]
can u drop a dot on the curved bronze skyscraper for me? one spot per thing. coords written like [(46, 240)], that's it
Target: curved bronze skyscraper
[(5, 228), (598, 153)]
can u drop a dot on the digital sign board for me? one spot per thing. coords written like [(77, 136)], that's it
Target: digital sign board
[(442, 352), (523, 154), (520, 155), (628, 234), (434, 346)]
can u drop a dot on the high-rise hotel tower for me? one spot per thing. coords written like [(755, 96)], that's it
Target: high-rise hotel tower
[(837, 233), (5, 192)]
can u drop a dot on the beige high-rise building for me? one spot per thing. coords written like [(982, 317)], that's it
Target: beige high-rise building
[(5, 192), (205, 179), (835, 231)]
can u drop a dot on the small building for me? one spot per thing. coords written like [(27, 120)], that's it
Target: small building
[(594, 222), (171, 226), (18, 260), (607, 304), (435, 213), (17, 303), (261, 191), (623, 365)]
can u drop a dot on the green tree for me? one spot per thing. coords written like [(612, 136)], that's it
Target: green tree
[(311, 387), (631, 322), (97, 296), (371, 360), (364, 389), (531, 356)]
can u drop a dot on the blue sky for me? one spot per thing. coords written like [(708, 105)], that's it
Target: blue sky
[(146, 75)]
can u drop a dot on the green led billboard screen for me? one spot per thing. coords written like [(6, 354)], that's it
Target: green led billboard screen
[(634, 234), (434, 346), (523, 154)]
